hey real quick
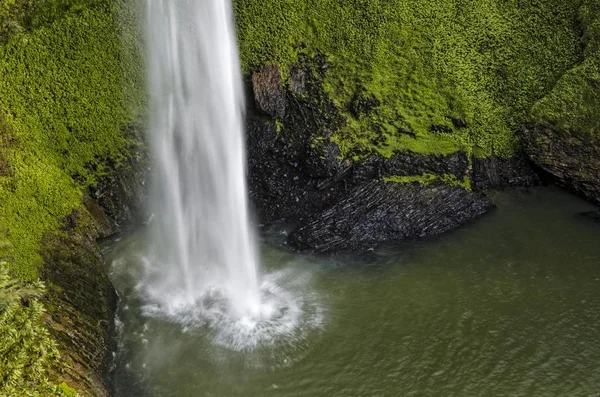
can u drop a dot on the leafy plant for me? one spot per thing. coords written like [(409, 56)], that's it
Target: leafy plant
[(27, 351)]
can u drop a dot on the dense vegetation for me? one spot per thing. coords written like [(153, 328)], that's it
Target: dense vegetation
[(458, 74), (65, 94), (26, 348), (68, 86), (573, 106)]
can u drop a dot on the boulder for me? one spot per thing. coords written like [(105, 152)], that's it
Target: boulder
[(269, 94)]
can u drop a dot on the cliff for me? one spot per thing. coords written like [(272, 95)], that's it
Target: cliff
[(356, 110), (71, 88)]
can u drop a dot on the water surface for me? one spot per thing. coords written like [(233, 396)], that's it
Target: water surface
[(506, 306)]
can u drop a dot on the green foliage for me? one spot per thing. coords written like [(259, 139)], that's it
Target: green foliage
[(429, 179), (13, 291), (27, 351), (454, 74), (65, 92), (573, 106), (19, 15)]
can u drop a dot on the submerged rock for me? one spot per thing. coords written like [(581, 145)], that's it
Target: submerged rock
[(380, 211), (572, 159)]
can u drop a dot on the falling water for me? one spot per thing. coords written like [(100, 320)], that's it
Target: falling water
[(202, 268), (203, 233)]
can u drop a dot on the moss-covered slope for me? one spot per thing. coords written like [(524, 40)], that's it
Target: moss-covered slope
[(573, 106), (71, 81), (564, 135), (65, 93), (447, 75)]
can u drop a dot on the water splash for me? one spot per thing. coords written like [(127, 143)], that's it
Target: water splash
[(202, 230)]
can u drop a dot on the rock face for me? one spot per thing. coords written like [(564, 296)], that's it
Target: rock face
[(122, 192), (572, 159), (493, 172), (82, 304), (297, 174), (378, 211), (81, 300)]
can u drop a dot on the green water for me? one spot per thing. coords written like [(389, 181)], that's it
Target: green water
[(506, 306)]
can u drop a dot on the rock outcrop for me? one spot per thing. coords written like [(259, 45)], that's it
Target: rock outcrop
[(298, 174), (81, 304), (378, 211), (572, 159), (122, 193), (81, 300)]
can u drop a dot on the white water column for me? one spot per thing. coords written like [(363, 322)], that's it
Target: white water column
[(202, 234)]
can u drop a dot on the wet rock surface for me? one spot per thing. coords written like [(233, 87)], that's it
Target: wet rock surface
[(572, 159), (297, 174), (494, 172), (119, 196), (81, 303), (269, 94), (378, 211)]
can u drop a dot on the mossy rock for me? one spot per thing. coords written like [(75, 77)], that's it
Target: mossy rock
[(426, 76)]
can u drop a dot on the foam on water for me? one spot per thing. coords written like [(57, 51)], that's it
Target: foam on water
[(285, 313), (203, 270)]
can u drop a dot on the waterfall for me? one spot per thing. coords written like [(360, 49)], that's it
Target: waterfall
[(204, 244)]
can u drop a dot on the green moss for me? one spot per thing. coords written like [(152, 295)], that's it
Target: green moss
[(574, 104), (429, 179), (471, 69), (64, 94)]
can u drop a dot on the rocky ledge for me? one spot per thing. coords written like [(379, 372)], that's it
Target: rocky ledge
[(573, 159), (297, 173), (378, 211)]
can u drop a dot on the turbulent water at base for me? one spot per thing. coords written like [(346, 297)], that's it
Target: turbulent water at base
[(202, 268), (506, 306)]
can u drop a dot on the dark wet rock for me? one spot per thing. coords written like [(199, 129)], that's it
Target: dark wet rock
[(281, 186), (298, 77), (377, 212), (572, 159), (494, 172), (294, 170), (123, 191), (408, 164), (269, 94), (81, 303)]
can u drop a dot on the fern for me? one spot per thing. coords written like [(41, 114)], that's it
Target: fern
[(26, 348)]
